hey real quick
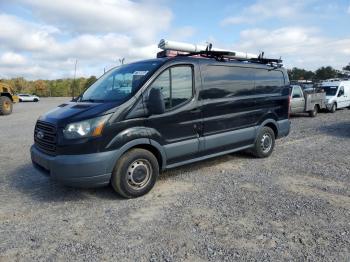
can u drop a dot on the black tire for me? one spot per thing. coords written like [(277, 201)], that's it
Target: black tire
[(313, 113), (20, 100), (333, 108), (36, 100), (265, 143), (6, 105), (137, 162)]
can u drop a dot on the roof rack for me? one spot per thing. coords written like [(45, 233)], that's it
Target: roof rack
[(172, 49)]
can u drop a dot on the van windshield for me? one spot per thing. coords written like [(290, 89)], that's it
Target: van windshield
[(120, 83), (330, 90)]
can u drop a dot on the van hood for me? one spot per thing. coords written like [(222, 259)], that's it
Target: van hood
[(76, 111), (330, 97)]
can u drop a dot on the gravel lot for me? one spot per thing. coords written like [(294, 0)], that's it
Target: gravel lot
[(294, 205)]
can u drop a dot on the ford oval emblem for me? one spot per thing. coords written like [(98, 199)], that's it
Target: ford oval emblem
[(40, 135)]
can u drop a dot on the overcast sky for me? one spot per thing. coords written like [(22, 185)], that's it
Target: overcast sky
[(42, 39)]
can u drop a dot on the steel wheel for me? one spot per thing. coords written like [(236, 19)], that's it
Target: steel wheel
[(266, 143), (139, 174)]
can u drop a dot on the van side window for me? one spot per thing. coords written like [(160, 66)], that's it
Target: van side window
[(176, 85), (268, 82), (227, 81)]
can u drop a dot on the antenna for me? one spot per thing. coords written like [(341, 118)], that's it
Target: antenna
[(121, 60), (75, 74)]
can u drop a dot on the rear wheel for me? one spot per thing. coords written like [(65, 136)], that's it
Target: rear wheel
[(5, 105), (264, 143), (314, 112), (135, 173), (333, 108)]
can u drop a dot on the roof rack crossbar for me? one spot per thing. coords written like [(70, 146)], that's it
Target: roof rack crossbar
[(171, 48), (222, 56)]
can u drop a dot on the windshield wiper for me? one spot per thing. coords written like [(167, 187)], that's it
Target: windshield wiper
[(91, 100)]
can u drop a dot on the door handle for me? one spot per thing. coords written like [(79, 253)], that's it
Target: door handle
[(196, 110), (197, 128)]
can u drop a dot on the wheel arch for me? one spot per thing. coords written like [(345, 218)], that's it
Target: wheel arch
[(7, 95), (271, 123), (154, 147)]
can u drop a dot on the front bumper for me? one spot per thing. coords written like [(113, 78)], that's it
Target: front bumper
[(87, 170), (329, 106)]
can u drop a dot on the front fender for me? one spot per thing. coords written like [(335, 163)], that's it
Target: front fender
[(133, 137)]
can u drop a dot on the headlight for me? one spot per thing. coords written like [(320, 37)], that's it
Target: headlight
[(87, 128)]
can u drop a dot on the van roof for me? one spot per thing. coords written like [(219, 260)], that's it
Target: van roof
[(210, 61)]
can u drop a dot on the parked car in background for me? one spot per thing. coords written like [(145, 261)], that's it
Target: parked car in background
[(309, 101), (337, 93), (28, 98)]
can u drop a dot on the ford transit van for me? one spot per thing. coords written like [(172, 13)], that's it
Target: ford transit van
[(141, 118)]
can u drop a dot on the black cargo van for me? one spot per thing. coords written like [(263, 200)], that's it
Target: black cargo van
[(141, 118)]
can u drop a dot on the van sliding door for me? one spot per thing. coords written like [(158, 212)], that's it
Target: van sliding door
[(228, 108)]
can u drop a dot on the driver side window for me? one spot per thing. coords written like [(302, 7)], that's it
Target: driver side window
[(176, 85), (297, 92)]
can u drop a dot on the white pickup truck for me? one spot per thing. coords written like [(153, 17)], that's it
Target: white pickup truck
[(306, 102)]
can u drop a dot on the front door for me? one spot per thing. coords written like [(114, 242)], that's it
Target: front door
[(178, 128), (341, 98), (298, 100)]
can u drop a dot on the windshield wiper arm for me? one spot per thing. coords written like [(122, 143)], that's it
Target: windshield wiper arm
[(91, 100)]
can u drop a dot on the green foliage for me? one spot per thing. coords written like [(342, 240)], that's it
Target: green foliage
[(89, 82), (300, 74), (55, 88), (325, 73), (347, 68)]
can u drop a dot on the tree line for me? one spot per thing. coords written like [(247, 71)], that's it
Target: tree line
[(70, 87), (323, 73), (59, 87)]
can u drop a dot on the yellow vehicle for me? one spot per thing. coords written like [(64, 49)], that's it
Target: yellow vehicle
[(7, 98)]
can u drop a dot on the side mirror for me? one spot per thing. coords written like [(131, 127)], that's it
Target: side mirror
[(340, 94), (155, 104)]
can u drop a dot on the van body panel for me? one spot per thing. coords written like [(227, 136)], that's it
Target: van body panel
[(228, 140), (212, 108), (335, 97)]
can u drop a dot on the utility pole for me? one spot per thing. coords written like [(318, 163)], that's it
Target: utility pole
[(75, 74)]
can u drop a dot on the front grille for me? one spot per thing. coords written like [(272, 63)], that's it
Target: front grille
[(45, 137)]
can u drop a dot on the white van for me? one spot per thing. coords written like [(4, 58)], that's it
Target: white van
[(337, 93)]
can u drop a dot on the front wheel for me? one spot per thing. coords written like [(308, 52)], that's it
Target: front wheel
[(264, 143), (314, 112), (334, 108), (135, 173), (5, 105), (36, 100)]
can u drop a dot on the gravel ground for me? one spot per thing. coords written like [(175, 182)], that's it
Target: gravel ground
[(294, 205)]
